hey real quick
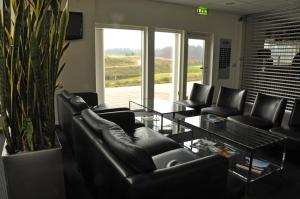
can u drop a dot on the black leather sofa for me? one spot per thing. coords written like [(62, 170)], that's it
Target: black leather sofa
[(230, 102), (267, 112), (292, 131), (119, 160)]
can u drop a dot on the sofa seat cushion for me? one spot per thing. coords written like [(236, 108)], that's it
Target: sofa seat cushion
[(252, 121), (293, 133), (153, 142), (220, 111), (173, 158), (191, 104)]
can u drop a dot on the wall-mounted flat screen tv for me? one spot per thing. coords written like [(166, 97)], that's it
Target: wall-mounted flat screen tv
[(75, 27)]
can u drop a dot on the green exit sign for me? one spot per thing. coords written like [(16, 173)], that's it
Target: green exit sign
[(202, 10)]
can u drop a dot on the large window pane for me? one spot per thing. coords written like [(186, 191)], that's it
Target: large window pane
[(165, 63), (123, 65), (195, 63)]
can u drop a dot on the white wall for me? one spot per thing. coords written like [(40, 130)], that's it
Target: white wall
[(80, 58), (162, 15), (79, 73)]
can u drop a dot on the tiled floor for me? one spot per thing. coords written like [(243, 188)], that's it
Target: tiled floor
[(273, 187), (120, 96)]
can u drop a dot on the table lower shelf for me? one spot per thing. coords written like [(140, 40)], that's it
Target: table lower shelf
[(238, 159)]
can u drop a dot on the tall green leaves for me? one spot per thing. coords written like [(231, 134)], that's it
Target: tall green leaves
[(33, 42)]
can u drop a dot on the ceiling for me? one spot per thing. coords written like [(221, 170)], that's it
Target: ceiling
[(242, 7)]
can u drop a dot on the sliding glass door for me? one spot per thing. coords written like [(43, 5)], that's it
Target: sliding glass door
[(167, 57), (123, 62), (195, 62)]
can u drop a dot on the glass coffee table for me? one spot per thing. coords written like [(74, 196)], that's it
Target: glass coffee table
[(152, 108), (243, 145)]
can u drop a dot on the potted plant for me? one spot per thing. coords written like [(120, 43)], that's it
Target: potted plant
[(32, 45)]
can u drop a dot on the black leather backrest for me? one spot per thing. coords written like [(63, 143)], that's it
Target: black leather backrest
[(124, 148), (91, 98), (119, 142), (202, 93), (66, 94), (295, 115), (232, 98), (96, 123), (125, 119), (78, 104), (270, 108), (61, 100), (68, 105)]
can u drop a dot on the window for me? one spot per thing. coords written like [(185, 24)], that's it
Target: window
[(167, 55)]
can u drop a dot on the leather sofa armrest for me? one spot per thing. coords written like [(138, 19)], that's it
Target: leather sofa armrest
[(206, 176), (125, 119)]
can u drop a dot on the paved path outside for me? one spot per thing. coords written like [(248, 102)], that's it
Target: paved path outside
[(120, 96)]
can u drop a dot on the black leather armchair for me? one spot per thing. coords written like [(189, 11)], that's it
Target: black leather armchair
[(267, 112), (91, 98), (201, 97), (292, 131), (142, 164), (69, 105), (230, 102)]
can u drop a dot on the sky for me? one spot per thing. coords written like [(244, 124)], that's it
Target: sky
[(121, 38)]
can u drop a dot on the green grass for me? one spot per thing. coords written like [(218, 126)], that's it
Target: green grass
[(126, 71)]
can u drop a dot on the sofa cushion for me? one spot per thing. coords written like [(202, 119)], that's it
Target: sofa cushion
[(252, 121), (96, 123), (173, 158), (78, 103), (124, 148), (220, 111), (153, 142)]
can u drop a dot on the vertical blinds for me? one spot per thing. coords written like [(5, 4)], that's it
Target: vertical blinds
[(272, 57)]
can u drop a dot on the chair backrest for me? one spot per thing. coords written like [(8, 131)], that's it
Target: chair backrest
[(232, 98), (91, 98), (295, 115), (270, 108), (202, 94)]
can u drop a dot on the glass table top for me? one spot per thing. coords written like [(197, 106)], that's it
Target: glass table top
[(244, 135), (161, 106)]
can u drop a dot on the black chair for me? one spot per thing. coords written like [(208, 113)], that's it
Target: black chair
[(267, 112), (69, 105), (292, 131), (201, 97), (230, 102), (91, 98)]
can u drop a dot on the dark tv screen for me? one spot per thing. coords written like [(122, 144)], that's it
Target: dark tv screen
[(75, 26)]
